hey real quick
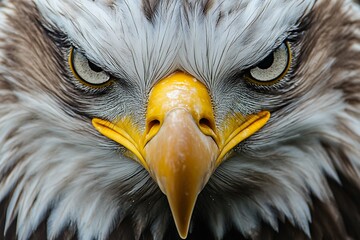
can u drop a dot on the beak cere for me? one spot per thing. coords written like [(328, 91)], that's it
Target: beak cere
[(181, 146)]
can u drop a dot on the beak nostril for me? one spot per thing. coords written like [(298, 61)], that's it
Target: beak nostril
[(153, 124), (206, 123), (152, 129), (207, 126)]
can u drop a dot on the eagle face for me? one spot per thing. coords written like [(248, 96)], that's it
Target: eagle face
[(154, 119)]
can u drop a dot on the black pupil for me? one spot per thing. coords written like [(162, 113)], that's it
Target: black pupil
[(267, 62), (94, 67)]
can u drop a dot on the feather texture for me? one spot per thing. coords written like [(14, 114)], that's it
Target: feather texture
[(297, 178)]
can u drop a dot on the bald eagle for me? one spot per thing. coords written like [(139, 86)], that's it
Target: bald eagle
[(169, 119)]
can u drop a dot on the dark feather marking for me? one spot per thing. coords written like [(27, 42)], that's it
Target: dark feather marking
[(322, 36), (111, 3), (347, 196), (123, 231), (149, 8), (12, 230), (207, 6), (52, 73), (9, 96), (204, 6), (23, 44)]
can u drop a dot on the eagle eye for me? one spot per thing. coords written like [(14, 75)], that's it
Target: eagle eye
[(86, 71), (272, 68)]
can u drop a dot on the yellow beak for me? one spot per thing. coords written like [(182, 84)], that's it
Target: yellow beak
[(181, 145)]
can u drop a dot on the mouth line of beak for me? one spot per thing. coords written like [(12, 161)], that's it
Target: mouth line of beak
[(121, 136), (118, 134), (253, 123)]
